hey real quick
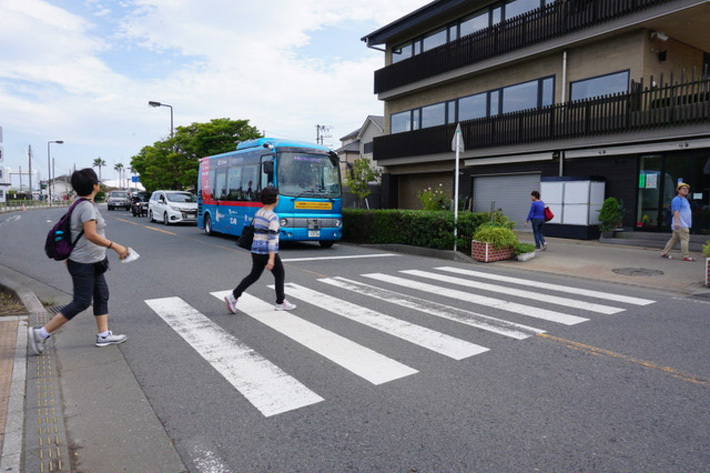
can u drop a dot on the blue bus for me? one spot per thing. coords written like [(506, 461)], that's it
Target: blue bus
[(306, 175)]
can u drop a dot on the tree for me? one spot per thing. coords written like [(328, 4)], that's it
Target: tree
[(173, 163), (119, 167), (99, 163), (360, 177)]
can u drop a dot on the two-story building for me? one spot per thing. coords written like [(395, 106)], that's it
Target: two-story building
[(616, 91)]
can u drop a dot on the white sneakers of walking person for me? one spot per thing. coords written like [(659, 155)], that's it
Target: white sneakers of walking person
[(36, 342), (231, 302), (285, 305), (110, 339)]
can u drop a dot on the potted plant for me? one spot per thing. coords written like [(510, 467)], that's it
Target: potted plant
[(493, 242), (610, 216), (524, 251), (706, 255)]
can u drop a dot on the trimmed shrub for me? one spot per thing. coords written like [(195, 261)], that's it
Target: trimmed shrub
[(428, 229)]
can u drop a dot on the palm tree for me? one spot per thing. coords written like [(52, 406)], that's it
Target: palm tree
[(99, 163), (119, 167)]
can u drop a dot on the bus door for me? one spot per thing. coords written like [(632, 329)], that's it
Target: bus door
[(220, 193)]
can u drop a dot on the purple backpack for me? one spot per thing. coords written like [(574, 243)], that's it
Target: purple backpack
[(59, 244)]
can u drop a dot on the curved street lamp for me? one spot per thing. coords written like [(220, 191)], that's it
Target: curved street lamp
[(160, 104), (49, 170)]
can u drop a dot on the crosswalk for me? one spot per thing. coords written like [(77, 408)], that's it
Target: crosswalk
[(272, 391)]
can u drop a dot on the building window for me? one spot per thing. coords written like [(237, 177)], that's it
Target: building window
[(520, 97), (600, 86), (434, 115), (402, 52), (475, 23), (518, 7), (473, 106), (401, 122), (434, 40)]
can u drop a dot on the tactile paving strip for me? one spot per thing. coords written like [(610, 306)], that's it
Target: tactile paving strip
[(45, 434)]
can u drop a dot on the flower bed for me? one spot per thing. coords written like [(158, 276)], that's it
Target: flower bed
[(487, 253)]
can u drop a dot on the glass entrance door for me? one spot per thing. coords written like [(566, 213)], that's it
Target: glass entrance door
[(649, 212)]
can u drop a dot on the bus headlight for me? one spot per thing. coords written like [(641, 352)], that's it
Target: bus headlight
[(338, 223), (283, 222)]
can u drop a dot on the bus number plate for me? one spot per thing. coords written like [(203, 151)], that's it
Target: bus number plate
[(313, 233)]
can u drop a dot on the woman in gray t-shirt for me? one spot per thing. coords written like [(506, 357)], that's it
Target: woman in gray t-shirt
[(87, 265)]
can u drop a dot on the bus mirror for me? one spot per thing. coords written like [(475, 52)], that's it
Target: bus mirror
[(351, 170), (268, 167)]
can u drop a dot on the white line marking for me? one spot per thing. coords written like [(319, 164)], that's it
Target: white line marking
[(436, 341), (543, 314), (362, 361), (323, 258), (483, 322), (265, 385), (552, 287), (536, 296)]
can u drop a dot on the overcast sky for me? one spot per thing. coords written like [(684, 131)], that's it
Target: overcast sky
[(83, 71)]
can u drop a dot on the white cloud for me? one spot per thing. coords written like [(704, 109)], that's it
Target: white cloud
[(86, 76)]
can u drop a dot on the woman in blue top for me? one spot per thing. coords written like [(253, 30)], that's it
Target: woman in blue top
[(537, 217), (264, 253)]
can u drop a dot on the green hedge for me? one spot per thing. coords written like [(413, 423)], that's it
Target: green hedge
[(425, 228)]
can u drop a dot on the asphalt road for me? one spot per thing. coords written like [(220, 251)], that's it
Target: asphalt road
[(390, 364)]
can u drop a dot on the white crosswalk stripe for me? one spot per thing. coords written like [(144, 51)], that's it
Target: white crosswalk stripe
[(483, 322), (552, 316), (360, 360), (553, 287), (436, 341), (532, 295), (262, 383)]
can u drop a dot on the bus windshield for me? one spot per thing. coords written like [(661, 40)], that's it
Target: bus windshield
[(308, 175)]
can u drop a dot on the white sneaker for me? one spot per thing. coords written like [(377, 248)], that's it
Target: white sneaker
[(36, 341), (110, 339), (231, 302), (285, 305)]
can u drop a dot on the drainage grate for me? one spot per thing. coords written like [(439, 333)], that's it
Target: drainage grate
[(55, 309), (638, 272)]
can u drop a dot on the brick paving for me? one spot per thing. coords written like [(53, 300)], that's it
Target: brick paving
[(8, 334)]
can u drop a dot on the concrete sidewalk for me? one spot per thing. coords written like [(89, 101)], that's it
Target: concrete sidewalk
[(136, 441)]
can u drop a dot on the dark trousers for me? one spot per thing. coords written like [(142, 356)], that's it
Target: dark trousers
[(89, 283), (258, 264), (537, 224)]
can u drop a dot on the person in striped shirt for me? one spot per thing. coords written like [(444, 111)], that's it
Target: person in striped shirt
[(264, 253)]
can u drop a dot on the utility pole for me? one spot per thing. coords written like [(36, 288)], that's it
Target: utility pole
[(29, 156), (320, 133)]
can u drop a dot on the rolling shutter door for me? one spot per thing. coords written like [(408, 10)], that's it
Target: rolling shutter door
[(509, 192)]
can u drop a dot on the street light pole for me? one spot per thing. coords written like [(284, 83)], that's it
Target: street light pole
[(160, 104), (49, 170)]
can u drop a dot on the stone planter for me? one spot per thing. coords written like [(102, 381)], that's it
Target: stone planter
[(486, 253), (707, 272), (525, 256)]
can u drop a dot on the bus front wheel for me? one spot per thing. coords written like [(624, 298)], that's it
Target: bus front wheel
[(208, 225), (326, 244)]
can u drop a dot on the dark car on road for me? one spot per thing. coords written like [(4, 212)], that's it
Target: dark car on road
[(139, 204)]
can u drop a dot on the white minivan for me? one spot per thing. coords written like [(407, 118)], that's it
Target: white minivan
[(172, 207)]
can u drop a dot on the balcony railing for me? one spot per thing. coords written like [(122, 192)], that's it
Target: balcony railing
[(644, 108), (551, 21)]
